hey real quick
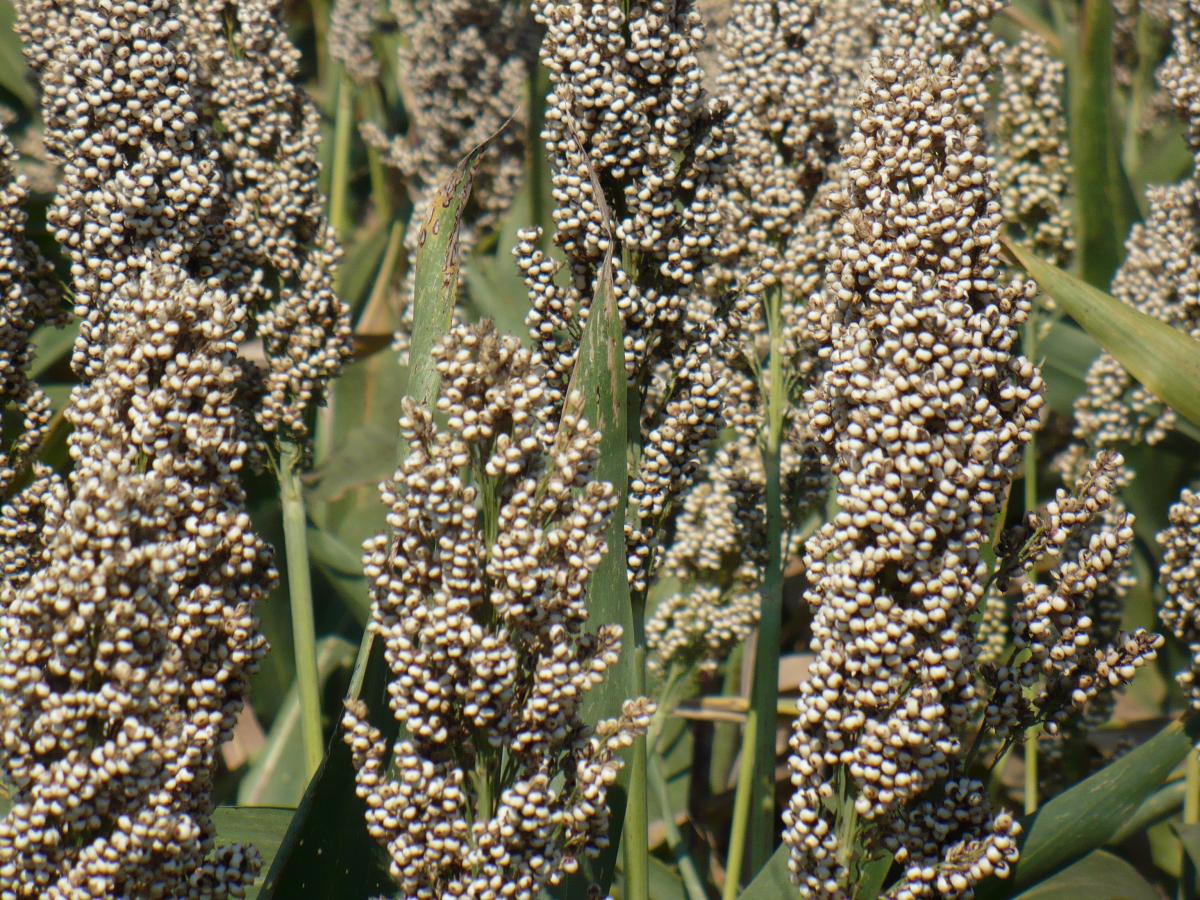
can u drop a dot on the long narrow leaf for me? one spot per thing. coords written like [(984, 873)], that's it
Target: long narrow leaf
[(275, 777), (773, 882), (13, 74), (327, 851), (256, 826), (1165, 360), (598, 392), (1083, 818), (1098, 876)]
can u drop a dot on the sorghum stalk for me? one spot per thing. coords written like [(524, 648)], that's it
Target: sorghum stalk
[(248, 74), (500, 787)]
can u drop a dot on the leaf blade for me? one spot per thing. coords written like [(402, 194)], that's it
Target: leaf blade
[(1098, 876), (773, 881), (1165, 360), (343, 861), (1083, 818), (256, 826)]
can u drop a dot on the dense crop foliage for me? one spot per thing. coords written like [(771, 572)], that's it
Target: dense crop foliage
[(641, 448)]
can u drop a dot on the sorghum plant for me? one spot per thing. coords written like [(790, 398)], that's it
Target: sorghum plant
[(784, 267), (636, 149), (479, 595), (924, 408), (128, 626)]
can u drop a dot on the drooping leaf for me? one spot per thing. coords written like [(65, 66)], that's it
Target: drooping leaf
[(327, 851), (1084, 817), (1189, 836), (1098, 876), (256, 826), (12, 63), (276, 776), (1165, 360), (773, 882)]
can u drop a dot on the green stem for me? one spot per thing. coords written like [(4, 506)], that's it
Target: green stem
[(1191, 816), (295, 540), (1031, 502), (381, 192), (693, 884), (741, 818), (539, 86), (764, 695), (343, 126), (637, 816), (1102, 216)]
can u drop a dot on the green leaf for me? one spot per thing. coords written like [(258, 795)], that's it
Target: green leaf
[(257, 826), (276, 777), (365, 456), (50, 344), (773, 881), (874, 876), (327, 851), (1098, 876), (1104, 203), (665, 883), (13, 74), (1066, 353), (1189, 836), (1084, 817), (1164, 802), (357, 271), (437, 268), (598, 392), (1165, 360)]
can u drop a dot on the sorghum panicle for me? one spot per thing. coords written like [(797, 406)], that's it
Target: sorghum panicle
[(717, 555), (130, 635), (276, 249), (29, 299), (1067, 629), (628, 112), (479, 594), (351, 25), (1033, 167), (923, 410), (1180, 579)]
